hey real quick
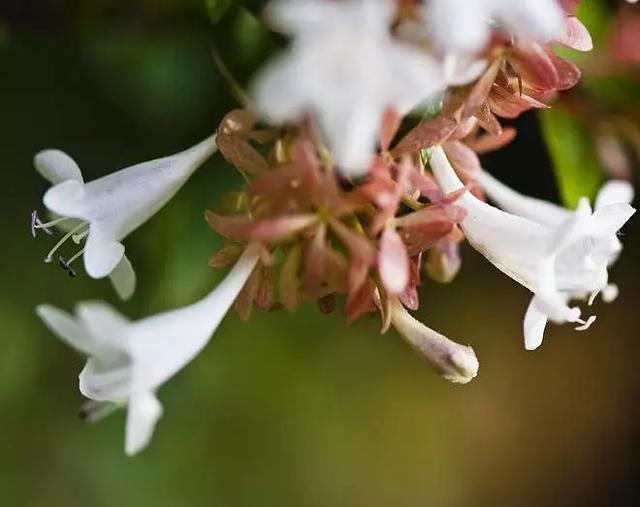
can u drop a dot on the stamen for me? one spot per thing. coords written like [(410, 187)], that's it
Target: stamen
[(93, 411), (585, 325), (68, 235), (79, 254), (36, 224), (77, 238), (65, 265)]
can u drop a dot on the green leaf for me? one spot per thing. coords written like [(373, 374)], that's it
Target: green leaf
[(217, 9), (577, 170)]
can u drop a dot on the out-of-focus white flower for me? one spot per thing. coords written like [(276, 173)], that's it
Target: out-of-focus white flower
[(106, 210), (129, 361), (464, 26), (558, 254), (345, 69)]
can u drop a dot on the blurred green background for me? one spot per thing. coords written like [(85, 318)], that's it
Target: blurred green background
[(285, 410)]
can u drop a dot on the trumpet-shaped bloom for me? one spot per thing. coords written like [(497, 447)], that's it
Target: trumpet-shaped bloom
[(345, 69), (106, 210), (129, 361), (465, 26), (558, 254)]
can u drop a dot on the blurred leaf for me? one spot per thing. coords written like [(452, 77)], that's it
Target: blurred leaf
[(613, 90), (595, 16), (570, 146), (161, 79), (217, 9)]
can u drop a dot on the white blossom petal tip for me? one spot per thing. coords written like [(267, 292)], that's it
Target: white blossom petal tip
[(128, 361), (463, 26), (56, 166), (106, 210), (558, 254)]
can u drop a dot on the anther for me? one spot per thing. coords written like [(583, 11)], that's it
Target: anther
[(77, 238), (65, 265), (36, 224), (93, 411)]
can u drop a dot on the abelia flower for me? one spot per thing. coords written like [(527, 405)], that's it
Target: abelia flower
[(557, 254), (128, 361), (106, 210), (345, 69)]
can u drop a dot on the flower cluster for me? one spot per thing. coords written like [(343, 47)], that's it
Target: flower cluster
[(360, 152)]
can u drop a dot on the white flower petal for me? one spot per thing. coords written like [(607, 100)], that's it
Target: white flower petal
[(509, 200), (273, 94), (538, 19), (464, 26), (66, 199), (102, 254), (614, 192), (609, 219), (458, 25), (66, 328), (106, 379), (295, 17), (123, 279), (104, 322), (56, 166), (143, 412), (352, 138), (535, 320)]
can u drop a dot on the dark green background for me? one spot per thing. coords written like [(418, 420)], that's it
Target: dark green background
[(286, 410)]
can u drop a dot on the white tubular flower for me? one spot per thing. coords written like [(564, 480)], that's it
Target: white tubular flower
[(464, 26), (106, 210), (129, 361), (345, 69), (557, 254)]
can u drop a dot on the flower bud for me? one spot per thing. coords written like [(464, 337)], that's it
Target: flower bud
[(456, 363)]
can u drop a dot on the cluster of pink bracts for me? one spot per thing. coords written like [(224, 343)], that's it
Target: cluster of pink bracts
[(370, 239)]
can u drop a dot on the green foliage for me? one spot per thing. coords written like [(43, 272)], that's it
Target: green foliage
[(217, 9), (613, 91), (153, 75), (595, 16), (577, 169)]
